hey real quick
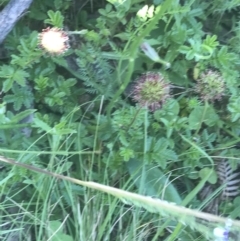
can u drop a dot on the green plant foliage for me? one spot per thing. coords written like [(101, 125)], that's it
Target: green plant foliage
[(55, 18), (20, 97), (12, 75), (233, 107), (55, 228), (205, 172), (74, 113), (154, 181), (203, 114)]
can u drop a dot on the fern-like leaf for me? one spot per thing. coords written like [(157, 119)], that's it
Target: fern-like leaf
[(229, 179)]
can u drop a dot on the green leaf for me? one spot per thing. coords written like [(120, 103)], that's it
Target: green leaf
[(2, 108), (6, 71), (65, 85), (158, 152), (156, 183), (184, 49), (202, 114), (7, 85), (169, 112), (20, 77), (54, 226), (24, 46), (160, 145), (236, 211), (205, 172), (195, 118), (42, 125), (126, 153), (123, 138), (65, 131), (123, 4), (211, 41), (167, 155), (123, 36), (211, 118), (21, 96), (10, 75), (56, 229), (226, 59), (18, 117), (55, 18), (234, 108), (55, 98), (41, 83), (190, 55)]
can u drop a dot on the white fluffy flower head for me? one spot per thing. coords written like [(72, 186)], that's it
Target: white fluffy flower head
[(53, 40)]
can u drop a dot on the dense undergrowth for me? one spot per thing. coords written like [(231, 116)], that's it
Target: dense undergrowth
[(143, 96)]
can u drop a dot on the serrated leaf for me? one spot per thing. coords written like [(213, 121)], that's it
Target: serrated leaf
[(20, 77), (123, 139), (55, 18), (17, 105), (168, 155), (126, 153), (24, 46), (7, 85), (160, 145), (21, 96), (42, 125), (9, 98), (22, 115), (6, 71)]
